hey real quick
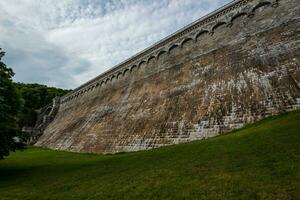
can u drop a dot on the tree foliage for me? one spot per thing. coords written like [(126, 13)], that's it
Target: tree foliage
[(35, 97), (10, 106)]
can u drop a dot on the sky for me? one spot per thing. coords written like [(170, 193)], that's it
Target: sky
[(65, 43)]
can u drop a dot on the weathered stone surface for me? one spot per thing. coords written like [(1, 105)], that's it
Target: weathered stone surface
[(236, 66)]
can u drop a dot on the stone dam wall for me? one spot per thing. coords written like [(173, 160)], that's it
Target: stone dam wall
[(234, 66)]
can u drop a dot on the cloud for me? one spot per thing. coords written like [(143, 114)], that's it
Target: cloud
[(66, 43)]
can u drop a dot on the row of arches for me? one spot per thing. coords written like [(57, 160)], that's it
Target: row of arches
[(166, 50)]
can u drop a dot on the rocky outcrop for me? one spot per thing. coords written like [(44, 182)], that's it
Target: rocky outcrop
[(232, 67)]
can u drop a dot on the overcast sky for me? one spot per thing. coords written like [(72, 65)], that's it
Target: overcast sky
[(64, 43)]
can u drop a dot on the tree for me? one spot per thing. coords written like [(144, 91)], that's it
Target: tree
[(35, 96), (10, 106)]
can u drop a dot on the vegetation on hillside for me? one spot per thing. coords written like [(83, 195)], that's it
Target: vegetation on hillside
[(260, 161), (35, 97)]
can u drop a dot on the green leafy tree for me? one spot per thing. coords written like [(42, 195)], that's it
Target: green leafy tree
[(35, 96), (10, 106)]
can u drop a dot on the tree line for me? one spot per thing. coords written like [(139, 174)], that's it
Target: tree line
[(19, 105)]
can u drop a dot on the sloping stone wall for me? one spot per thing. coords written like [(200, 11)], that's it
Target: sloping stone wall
[(235, 66)]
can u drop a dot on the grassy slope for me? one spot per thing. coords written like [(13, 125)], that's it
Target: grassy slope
[(259, 161)]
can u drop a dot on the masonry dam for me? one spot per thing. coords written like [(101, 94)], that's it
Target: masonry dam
[(234, 66)]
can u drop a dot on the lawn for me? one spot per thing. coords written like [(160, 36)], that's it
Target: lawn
[(260, 161)]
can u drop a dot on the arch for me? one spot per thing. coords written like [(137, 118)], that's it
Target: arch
[(218, 25), (186, 40), (238, 15), (173, 47), (119, 74), (201, 33), (102, 82), (150, 58), (133, 67), (125, 71), (112, 77), (260, 5), (141, 63), (160, 54), (107, 79)]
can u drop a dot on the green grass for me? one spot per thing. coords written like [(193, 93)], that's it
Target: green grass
[(260, 161)]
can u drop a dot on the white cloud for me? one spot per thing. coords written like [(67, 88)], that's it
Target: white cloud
[(64, 43)]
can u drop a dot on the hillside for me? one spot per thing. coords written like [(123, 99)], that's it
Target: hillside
[(260, 161), (35, 96)]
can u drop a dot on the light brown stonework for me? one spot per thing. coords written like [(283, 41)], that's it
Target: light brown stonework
[(232, 67)]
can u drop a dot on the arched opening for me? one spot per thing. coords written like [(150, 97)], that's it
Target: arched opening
[(125, 72), (161, 53), (119, 74), (150, 59), (260, 5), (142, 62), (134, 67), (218, 25), (201, 33), (112, 77), (238, 15), (186, 41), (173, 48)]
